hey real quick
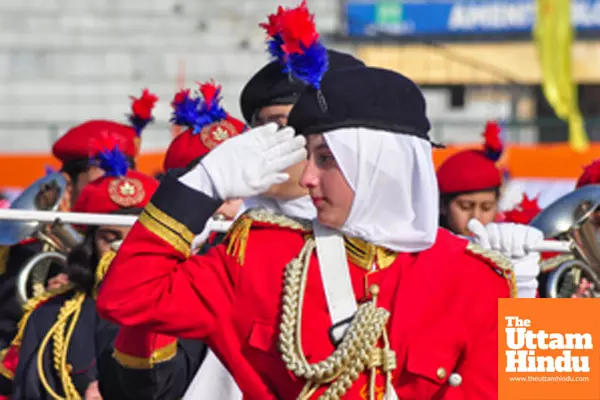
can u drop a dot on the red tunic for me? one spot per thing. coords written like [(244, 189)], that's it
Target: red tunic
[(443, 305)]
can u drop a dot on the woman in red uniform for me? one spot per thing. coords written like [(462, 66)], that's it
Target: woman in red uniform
[(422, 320)]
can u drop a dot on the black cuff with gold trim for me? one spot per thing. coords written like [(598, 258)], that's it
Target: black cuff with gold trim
[(185, 205)]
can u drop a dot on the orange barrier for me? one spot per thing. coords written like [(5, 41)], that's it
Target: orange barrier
[(20, 170), (536, 161)]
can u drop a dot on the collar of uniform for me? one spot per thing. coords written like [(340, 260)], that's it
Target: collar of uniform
[(364, 254)]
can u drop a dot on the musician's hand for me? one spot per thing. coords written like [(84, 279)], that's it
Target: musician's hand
[(248, 164), (92, 392), (57, 281), (514, 242)]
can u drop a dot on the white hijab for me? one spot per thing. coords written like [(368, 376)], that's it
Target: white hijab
[(396, 201)]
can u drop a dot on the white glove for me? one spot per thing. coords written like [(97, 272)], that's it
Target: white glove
[(248, 164), (514, 242)]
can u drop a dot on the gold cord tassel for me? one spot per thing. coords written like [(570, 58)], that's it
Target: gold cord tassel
[(238, 238)]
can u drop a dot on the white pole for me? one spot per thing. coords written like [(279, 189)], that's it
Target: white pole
[(87, 219)]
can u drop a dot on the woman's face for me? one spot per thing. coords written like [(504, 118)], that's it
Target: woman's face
[(482, 206), (107, 235), (330, 193)]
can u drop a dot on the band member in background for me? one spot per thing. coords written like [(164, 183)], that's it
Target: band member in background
[(147, 365), (259, 299), (62, 343), (469, 183), (73, 151)]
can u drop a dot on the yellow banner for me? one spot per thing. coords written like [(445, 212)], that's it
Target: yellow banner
[(553, 35)]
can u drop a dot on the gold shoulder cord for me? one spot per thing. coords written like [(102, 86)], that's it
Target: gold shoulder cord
[(240, 230), (72, 307), (357, 352), (501, 263)]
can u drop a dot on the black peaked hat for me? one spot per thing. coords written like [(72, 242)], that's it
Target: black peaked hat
[(362, 97), (270, 86)]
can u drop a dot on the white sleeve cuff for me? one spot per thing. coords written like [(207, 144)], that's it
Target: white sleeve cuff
[(199, 180)]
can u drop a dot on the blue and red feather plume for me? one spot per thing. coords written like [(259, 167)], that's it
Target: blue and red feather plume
[(141, 111), (294, 42), (493, 146), (203, 110)]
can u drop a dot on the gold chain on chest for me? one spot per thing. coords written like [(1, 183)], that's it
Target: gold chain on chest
[(356, 353)]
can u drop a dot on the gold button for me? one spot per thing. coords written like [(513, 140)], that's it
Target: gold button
[(441, 373), (374, 290)]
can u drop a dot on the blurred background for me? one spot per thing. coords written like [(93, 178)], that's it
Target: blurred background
[(66, 61)]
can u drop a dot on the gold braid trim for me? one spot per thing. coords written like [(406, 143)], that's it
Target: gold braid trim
[(170, 222), (553, 263), (238, 234), (7, 373), (363, 254), (158, 356), (357, 352), (498, 262), (61, 338), (102, 269), (4, 252), (166, 234)]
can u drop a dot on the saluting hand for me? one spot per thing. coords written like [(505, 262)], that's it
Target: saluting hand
[(248, 164)]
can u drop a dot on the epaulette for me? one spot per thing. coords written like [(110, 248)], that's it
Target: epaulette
[(554, 262), (102, 269), (4, 251), (33, 304), (29, 307), (237, 236), (499, 263)]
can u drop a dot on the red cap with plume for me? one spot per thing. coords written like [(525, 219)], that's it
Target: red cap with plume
[(523, 212), (590, 176), (473, 170), (208, 125), (74, 144), (120, 188)]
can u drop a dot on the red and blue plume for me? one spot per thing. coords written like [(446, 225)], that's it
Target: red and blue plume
[(141, 111), (294, 41), (105, 154), (493, 142), (196, 113)]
